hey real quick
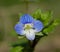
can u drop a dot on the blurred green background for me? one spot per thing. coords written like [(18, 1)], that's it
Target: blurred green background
[(9, 16)]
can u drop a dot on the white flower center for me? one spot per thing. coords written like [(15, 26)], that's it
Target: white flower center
[(29, 31), (28, 26)]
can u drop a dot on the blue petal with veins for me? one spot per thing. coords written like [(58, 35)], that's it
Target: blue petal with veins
[(26, 18), (38, 25), (19, 28)]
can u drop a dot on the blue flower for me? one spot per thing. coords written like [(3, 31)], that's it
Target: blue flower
[(28, 26)]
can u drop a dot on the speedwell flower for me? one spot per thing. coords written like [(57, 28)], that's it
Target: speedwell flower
[(28, 26)]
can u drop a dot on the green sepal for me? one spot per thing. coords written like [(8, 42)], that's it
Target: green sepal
[(40, 34)]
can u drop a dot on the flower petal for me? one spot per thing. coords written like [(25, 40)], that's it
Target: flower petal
[(26, 18), (19, 29), (38, 25), (30, 34)]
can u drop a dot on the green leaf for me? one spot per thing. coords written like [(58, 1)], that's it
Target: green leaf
[(51, 27), (45, 17), (37, 14), (16, 49), (23, 42)]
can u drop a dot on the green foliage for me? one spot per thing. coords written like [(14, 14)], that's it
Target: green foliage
[(19, 45), (37, 14), (22, 44), (16, 49), (46, 18), (51, 26)]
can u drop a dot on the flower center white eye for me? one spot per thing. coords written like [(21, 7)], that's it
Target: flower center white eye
[(29, 31), (28, 26)]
